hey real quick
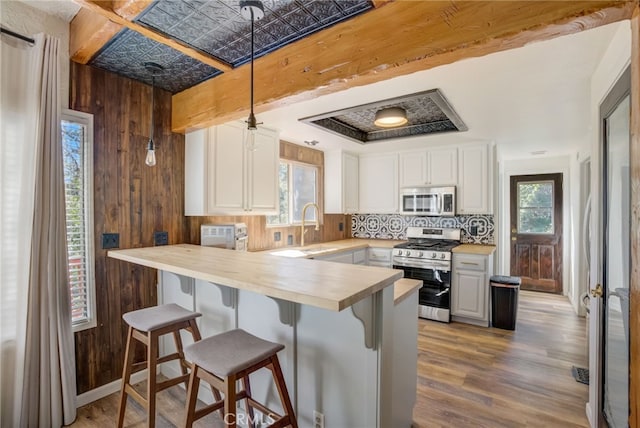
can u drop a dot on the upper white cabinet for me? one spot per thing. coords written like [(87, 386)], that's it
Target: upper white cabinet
[(474, 172), (378, 183), (435, 167), (341, 181), (223, 177)]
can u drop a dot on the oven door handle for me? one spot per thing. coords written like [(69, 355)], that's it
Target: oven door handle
[(403, 262), (446, 290)]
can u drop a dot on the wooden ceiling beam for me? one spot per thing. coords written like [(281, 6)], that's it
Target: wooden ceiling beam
[(112, 10), (398, 39), (89, 32)]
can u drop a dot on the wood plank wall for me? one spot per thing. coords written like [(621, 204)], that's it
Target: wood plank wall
[(131, 199), (261, 237), (634, 325)]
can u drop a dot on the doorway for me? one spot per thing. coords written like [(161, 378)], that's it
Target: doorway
[(536, 231)]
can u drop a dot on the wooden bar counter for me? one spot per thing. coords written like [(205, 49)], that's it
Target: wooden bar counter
[(350, 347)]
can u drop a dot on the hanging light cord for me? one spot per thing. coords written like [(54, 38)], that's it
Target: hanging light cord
[(252, 118), (153, 83)]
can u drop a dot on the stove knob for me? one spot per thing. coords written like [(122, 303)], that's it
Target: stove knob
[(419, 253), (399, 252), (433, 255), (408, 253), (442, 256)]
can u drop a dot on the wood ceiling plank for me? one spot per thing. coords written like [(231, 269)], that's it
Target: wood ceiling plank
[(89, 32), (104, 9), (401, 38)]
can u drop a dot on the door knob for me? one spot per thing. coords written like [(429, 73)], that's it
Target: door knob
[(597, 292), (514, 238)]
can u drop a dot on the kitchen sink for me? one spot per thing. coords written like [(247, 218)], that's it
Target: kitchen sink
[(302, 252)]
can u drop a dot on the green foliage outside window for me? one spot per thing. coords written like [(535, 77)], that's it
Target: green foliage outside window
[(535, 207)]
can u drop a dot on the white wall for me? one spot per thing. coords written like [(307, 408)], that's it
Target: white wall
[(21, 18), (540, 165)]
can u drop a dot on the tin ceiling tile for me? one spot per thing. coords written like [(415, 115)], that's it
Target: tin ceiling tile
[(427, 113), (128, 51)]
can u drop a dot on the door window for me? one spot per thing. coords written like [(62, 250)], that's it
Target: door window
[(535, 207)]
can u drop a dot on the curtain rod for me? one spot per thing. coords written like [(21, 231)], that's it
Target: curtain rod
[(17, 36)]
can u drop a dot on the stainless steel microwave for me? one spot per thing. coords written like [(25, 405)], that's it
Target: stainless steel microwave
[(433, 201)]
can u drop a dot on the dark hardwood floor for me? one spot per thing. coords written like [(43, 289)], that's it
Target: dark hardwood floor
[(467, 376)]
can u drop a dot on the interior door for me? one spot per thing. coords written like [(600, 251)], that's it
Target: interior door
[(616, 255), (536, 231)]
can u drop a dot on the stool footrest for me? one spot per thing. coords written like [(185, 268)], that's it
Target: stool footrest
[(170, 357), (171, 382), (136, 396)]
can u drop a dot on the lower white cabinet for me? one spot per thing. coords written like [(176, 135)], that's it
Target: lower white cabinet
[(470, 288), (380, 257)]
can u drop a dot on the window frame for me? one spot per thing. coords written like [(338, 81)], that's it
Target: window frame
[(320, 214), (86, 120)]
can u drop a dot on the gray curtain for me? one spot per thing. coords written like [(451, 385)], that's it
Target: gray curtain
[(49, 389)]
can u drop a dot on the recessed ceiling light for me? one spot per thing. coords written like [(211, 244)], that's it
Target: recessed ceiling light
[(390, 117)]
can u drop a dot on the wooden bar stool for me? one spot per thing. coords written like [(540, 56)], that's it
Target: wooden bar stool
[(223, 359), (146, 326)]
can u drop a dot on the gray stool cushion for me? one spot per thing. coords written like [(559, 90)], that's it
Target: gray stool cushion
[(156, 317), (507, 280), (230, 352)]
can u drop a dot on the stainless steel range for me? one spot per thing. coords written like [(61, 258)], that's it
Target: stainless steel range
[(426, 256)]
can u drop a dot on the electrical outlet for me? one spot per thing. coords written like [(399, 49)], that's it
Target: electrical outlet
[(341, 227), (277, 236), (290, 240), (474, 230), (318, 419), (160, 238), (110, 240)]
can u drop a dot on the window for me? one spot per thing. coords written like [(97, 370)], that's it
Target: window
[(77, 143), (535, 207), (298, 186)]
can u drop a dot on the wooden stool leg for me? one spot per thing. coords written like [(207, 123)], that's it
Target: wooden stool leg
[(152, 356), (230, 401), (192, 396), (126, 376), (282, 391), (247, 388), (181, 362)]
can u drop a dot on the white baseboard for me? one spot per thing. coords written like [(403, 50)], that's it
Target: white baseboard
[(104, 390)]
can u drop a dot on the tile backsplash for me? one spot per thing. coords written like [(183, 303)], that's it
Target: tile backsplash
[(394, 226)]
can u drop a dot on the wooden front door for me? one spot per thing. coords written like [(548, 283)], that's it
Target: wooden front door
[(536, 231)]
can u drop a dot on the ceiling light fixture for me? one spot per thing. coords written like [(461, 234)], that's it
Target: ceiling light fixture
[(154, 69), (254, 11), (390, 117)]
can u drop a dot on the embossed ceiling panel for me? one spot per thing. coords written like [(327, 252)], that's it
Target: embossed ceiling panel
[(427, 113), (217, 28), (127, 52)]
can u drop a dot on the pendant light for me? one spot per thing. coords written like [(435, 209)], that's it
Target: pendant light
[(254, 11), (154, 69)]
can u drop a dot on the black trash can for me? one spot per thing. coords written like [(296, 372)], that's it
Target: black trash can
[(504, 301)]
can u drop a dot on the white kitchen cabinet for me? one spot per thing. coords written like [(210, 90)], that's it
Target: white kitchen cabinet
[(474, 172), (378, 183), (379, 257), (340, 182), (223, 177), (435, 167), (470, 288)]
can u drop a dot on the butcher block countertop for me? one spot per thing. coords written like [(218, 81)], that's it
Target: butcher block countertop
[(482, 250), (403, 289), (308, 282)]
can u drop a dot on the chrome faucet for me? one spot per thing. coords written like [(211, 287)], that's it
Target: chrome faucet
[(304, 212)]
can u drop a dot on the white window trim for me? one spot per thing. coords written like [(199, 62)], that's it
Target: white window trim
[(87, 120), (290, 197)]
